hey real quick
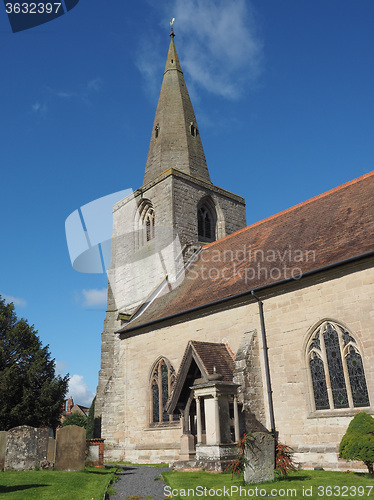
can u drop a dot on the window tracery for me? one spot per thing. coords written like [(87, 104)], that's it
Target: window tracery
[(206, 223), (336, 368), (161, 385), (146, 223)]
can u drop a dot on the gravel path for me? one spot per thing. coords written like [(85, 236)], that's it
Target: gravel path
[(138, 482)]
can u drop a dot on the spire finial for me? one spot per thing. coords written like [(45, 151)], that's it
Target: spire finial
[(171, 28)]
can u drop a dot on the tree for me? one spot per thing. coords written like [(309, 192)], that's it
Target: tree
[(75, 419), (30, 392), (91, 420), (358, 442)]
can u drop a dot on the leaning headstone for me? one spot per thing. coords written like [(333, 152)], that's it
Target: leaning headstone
[(3, 435), (70, 448), (26, 448), (260, 455)]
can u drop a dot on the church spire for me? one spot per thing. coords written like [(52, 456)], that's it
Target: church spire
[(175, 141)]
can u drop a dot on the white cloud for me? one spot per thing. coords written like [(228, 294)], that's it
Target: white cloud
[(95, 84), (222, 50), (79, 391), (17, 301), (64, 95), (81, 93), (39, 108), (93, 297), (217, 42)]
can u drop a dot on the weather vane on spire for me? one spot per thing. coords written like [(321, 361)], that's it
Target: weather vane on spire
[(171, 27)]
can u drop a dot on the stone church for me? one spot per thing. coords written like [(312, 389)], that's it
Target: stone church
[(214, 328)]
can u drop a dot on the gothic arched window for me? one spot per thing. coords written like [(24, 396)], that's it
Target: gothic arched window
[(206, 223), (336, 368), (161, 385), (146, 222), (149, 224)]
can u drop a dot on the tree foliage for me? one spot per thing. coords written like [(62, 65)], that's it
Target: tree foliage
[(358, 442), (75, 419), (91, 420), (30, 392)]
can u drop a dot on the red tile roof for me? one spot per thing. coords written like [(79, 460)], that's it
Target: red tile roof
[(211, 358), (328, 229), (215, 356)]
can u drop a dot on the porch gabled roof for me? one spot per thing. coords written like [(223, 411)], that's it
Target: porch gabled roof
[(205, 360)]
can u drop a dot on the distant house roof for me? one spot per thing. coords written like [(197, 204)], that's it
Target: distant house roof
[(80, 409), (327, 229)]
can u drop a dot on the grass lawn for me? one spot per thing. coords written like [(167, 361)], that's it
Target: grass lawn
[(303, 484), (55, 485)]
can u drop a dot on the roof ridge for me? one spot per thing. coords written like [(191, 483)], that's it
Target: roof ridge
[(294, 207), (206, 342)]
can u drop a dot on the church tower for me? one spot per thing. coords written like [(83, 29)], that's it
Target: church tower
[(159, 227)]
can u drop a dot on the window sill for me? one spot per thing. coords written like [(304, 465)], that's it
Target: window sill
[(163, 425), (340, 412)]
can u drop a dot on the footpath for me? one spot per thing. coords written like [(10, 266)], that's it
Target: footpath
[(139, 482)]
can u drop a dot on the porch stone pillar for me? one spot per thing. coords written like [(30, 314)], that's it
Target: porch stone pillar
[(198, 421), (236, 419)]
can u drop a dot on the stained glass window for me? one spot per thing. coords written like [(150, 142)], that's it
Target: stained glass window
[(336, 368), (357, 379), (319, 383), (162, 380), (335, 364)]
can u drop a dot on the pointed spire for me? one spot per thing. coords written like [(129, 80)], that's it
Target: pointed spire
[(175, 141)]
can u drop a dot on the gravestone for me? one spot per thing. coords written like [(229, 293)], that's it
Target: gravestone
[(26, 448), (260, 455), (70, 448), (51, 449), (3, 435)]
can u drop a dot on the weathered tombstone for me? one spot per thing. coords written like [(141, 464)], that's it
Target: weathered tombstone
[(70, 448), (260, 455), (3, 435), (26, 448), (51, 449)]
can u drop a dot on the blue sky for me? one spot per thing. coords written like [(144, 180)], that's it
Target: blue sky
[(282, 91)]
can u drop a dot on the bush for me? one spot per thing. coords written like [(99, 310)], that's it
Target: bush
[(91, 421), (284, 461), (75, 419), (358, 442)]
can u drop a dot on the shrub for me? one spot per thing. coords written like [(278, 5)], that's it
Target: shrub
[(237, 466), (284, 462), (75, 419), (358, 442)]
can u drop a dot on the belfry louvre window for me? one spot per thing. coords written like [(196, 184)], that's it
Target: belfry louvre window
[(336, 368), (149, 222), (205, 224), (162, 380)]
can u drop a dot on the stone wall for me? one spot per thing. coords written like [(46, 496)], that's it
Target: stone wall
[(251, 389), (345, 295), (137, 270)]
